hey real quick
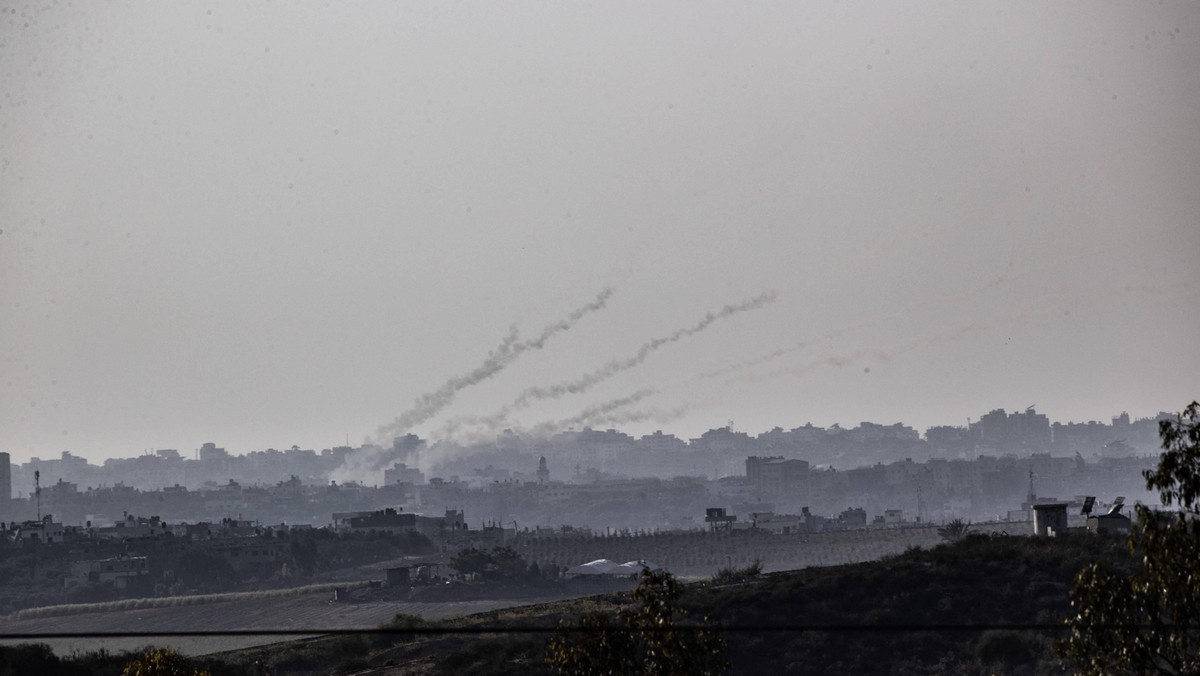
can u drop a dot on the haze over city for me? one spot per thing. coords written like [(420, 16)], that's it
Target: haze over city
[(312, 225)]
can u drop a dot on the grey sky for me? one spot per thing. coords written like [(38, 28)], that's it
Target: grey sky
[(264, 224)]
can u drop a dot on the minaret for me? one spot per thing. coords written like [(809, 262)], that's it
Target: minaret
[(543, 474)]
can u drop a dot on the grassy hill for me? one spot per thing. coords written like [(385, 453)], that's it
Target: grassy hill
[(864, 614)]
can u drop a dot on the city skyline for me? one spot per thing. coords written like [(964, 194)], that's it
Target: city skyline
[(485, 444)]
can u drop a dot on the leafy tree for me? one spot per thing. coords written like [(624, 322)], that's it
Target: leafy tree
[(1149, 621), (502, 562), (954, 531), (644, 639), (471, 561), (161, 662), (197, 568), (507, 562)]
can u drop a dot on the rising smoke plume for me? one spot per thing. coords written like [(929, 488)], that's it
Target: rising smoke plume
[(589, 380), (426, 406)]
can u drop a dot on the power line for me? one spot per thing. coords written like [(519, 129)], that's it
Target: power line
[(531, 629)]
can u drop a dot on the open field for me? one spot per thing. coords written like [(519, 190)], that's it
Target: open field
[(694, 556), (315, 611), (699, 554)]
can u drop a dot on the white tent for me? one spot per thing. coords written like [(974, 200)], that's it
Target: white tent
[(606, 567), (597, 567), (635, 567)]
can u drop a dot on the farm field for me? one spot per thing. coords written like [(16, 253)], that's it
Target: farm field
[(309, 611)]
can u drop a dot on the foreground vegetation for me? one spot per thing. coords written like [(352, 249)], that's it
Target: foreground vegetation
[(32, 575), (864, 617)]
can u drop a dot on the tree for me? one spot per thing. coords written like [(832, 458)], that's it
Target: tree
[(1149, 621), (161, 662), (500, 562), (471, 561), (954, 531), (644, 639), (507, 562)]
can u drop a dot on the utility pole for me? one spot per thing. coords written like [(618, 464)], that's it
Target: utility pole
[(37, 491)]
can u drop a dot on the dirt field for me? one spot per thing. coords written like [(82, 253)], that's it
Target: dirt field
[(310, 611), (695, 556)]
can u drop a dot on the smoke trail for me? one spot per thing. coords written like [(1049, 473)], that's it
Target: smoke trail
[(590, 414), (428, 405), (959, 297), (654, 414), (886, 354), (603, 413), (588, 380), (364, 464)]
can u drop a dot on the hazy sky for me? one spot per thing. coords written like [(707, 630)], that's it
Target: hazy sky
[(268, 224)]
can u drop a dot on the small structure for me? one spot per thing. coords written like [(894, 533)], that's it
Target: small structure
[(607, 568), (398, 577), (1049, 519), (1112, 522), (853, 518), (779, 524), (120, 572), (718, 519)]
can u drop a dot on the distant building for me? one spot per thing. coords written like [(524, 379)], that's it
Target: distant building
[(718, 519), (390, 520), (401, 473), (47, 531), (121, 572), (543, 473), (853, 518), (210, 453), (1108, 523), (5, 478), (775, 475), (133, 527), (780, 524)]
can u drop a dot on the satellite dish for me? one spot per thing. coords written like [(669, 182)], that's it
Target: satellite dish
[(1088, 502)]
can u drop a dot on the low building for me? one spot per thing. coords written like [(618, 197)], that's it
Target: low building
[(1049, 519), (1108, 523), (853, 518), (47, 531), (120, 572), (252, 553), (780, 524)]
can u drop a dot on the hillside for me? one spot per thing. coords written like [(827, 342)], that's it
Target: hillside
[(980, 581)]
